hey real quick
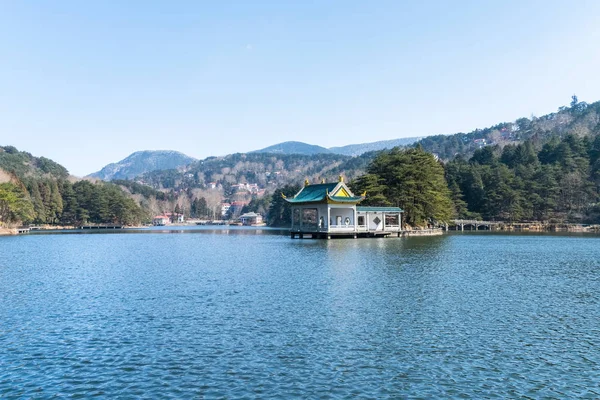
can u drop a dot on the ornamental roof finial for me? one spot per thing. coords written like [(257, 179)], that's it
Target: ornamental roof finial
[(341, 178), (306, 182)]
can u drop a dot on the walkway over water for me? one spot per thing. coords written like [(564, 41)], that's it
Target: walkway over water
[(474, 225)]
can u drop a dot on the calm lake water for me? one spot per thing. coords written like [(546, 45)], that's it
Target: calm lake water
[(251, 313)]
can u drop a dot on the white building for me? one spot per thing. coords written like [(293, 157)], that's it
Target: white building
[(330, 209)]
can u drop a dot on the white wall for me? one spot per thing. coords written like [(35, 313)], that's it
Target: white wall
[(343, 213), (371, 225)]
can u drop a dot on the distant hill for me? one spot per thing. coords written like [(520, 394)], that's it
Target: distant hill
[(580, 119), (142, 162), (358, 149), (349, 150), (21, 164), (37, 190), (293, 148), (268, 170)]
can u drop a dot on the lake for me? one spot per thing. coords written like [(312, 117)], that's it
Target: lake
[(244, 313)]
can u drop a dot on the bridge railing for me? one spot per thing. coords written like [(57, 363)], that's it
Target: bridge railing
[(473, 222)]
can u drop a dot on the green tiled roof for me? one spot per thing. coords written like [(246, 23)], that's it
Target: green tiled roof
[(378, 209), (341, 199), (313, 193)]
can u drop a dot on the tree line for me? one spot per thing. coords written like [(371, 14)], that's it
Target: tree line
[(38, 191), (556, 182), (61, 202)]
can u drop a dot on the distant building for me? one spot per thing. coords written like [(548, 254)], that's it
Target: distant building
[(480, 142), (245, 187), (160, 220), (175, 218), (225, 209), (236, 207), (251, 218)]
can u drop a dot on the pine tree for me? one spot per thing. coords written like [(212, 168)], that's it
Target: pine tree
[(37, 202), (56, 202), (374, 188), (414, 181), (69, 214), (280, 214)]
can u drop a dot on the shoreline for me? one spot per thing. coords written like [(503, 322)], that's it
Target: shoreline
[(528, 227), (576, 230)]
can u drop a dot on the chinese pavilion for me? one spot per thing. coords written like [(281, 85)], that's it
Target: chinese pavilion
[(331, 209)]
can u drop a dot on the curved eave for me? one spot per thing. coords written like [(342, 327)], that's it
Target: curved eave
[(300, 202), (344, 200)]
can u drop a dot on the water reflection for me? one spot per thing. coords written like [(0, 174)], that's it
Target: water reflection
[(213, 230)]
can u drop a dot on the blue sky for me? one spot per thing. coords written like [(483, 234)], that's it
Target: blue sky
[(88, 83)]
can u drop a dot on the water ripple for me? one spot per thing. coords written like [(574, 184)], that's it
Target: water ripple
[(260, 315)]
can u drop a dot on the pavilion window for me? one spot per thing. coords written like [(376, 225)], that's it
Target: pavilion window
[(392, 220), (309, 217), (297, 216)]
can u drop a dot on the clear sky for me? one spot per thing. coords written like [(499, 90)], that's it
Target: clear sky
[(87, 83)]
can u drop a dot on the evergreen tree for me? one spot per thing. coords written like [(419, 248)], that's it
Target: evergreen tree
[(280, 214), (56, 202), (70, 206), (414, 181), (373, 186), (38, 204), (15, 204), (46, 195)]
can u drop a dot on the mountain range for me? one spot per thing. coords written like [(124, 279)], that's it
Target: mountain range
[(349, 150), (141, 162), (580, 119), (543, 168)]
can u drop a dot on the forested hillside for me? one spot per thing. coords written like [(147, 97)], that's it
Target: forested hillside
[(559, 182), (580, 119), (38, 190), (543, 169), (293, 148), (265, 170), (245, 181), (361, 148)]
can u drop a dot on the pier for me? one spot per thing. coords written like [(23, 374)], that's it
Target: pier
[(531, 226), (100, 227), (475, 225)]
